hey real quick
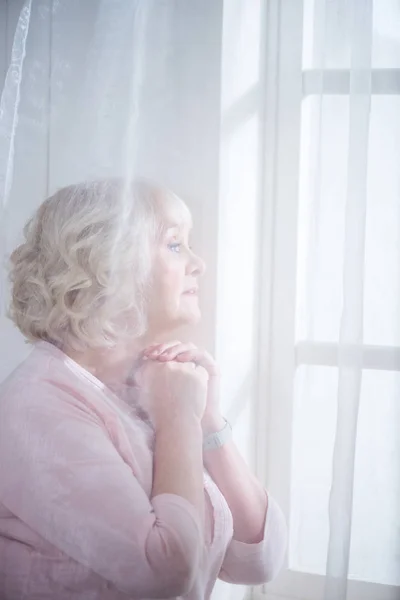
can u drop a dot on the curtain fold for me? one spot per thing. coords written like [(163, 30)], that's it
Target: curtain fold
[(9, 115), (351, 322)]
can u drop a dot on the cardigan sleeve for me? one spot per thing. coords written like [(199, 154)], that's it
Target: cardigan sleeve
[(255, 564)]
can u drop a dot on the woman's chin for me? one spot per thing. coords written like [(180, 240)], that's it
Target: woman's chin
[(190, 317)]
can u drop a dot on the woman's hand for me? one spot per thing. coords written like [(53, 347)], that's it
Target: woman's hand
[(189, 353), (171, 389)]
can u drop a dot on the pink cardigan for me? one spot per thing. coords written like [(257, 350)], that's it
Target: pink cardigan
[(76, 521)]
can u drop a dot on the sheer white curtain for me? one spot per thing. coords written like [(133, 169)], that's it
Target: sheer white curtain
[(108, 88), (343, 491), (70, 102), (105, 88)]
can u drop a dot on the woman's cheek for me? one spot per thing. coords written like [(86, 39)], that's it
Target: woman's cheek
[(171, 274)]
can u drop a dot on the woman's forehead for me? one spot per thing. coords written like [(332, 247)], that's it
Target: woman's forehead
[(173, 213)]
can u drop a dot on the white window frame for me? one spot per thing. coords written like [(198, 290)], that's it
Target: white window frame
[(285, 84)]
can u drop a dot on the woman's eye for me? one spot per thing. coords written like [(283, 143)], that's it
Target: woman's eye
[(175, 247)]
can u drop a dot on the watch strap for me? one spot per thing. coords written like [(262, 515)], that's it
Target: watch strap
[(212, 441)]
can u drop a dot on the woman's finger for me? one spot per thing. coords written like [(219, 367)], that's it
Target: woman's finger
[(182, 352), (200, 357), (157, 349), (190, 355), (172, 352)]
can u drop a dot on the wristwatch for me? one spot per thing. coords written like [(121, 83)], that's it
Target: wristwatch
[(212, 441)]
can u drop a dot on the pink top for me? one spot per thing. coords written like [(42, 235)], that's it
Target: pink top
[(76, 519)]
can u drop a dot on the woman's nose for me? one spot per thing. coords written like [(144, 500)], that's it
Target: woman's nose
[(197, 265)]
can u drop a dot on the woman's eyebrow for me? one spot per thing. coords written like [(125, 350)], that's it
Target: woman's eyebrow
[(174, 228)]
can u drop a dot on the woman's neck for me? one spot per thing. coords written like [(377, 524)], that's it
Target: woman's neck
[(114, 365), (109, 365)]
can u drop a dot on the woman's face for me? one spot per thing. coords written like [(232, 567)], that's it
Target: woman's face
[(174, 299)]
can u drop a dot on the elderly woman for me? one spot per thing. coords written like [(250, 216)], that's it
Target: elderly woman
[(118, 475)]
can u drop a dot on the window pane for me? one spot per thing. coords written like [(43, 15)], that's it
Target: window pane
[(386, 34), (328, 25), (382, 251), (321, 217), (314, 424), (321, 226), (375, 541)]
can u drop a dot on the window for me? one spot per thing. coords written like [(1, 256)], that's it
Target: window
[(312, 105)]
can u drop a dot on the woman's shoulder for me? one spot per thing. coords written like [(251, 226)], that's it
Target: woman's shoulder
[(43, 382), (43, 399), (49, 387), (24, 378)]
